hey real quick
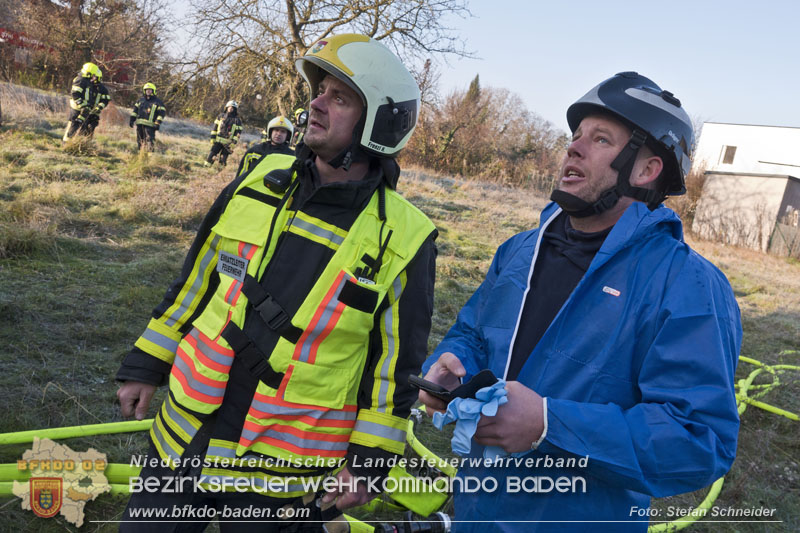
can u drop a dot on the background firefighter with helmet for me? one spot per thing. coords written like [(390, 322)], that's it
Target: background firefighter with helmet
[(88, 99), (304, 304), (300, 121), (147, 114), (274, 139), (225, 134)]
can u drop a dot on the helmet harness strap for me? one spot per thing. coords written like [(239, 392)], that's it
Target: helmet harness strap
[(623, 164), (352, 153)]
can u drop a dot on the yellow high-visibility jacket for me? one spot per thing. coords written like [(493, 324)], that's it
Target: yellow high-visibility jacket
[(148, 111), (338, 365), (226, 129), (88, 96)]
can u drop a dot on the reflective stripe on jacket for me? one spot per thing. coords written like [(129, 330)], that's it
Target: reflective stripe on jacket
[(149, 111), (80, 93), (226, 131), (88, 95)]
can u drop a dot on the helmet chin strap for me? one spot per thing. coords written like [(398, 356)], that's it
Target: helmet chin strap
[(623, 164), (353, 153)]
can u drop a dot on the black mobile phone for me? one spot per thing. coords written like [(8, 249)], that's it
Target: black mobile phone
[(434, 389), (484, 378)]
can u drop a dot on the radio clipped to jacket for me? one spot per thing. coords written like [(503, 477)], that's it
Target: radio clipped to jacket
[(278, 180)]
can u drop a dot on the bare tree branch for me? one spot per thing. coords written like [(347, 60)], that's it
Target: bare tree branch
[(252, 45)]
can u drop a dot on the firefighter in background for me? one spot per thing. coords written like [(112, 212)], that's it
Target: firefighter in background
[(89, 98), (300, 121), (274, 139), (225, 134), (147, 114)]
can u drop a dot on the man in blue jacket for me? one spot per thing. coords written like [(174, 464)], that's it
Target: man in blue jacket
[(618, 343)]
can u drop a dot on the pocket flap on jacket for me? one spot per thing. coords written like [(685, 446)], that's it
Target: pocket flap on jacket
[(358, 296), (318, 385), (245, 220)]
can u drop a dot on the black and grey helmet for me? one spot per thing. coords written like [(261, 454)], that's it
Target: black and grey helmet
[(646, 107)]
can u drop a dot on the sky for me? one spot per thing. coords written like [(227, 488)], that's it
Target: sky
[(727, 61)]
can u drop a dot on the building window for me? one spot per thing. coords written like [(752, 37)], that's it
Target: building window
[(728, 153)]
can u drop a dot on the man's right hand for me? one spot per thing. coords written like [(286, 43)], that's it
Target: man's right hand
[(134, 398), (447, 372)]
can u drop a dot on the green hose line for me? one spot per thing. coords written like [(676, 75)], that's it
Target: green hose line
[(22, 437), (114, 472), (744, 385), (697, 513), (119, 474), (743, 399), (7, 486), (770, 408)]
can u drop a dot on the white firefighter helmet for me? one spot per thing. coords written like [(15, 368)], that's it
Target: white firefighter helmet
[(280, 122), (390, 94)]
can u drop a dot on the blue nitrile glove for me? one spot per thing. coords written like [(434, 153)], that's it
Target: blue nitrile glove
[(466, 412)]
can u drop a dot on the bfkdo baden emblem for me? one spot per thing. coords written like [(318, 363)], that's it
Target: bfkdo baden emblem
[(46, 495)]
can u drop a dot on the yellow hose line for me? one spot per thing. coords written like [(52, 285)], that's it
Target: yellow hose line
[(114, 472), (750, 360), (697, 513), (744, 385), (119, 474), (23, 437), (770, 408), (7, 486)]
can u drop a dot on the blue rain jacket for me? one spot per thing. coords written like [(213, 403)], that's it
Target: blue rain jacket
[(637, 368)]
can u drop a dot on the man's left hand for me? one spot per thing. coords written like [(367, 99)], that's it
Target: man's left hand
[(518, 423), (344, 496)]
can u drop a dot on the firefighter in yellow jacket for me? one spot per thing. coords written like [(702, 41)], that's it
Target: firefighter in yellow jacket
[(302, 307), (88, 99), (274, 139), (300, 121), (147, 115), (225, 134)]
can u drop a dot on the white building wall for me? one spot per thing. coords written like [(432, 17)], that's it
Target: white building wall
[(739, 209), (759, 149)]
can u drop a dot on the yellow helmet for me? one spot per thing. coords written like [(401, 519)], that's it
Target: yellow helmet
[(149, 86), (280, 122), (389, 92), (297, 112), (90, 69)]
